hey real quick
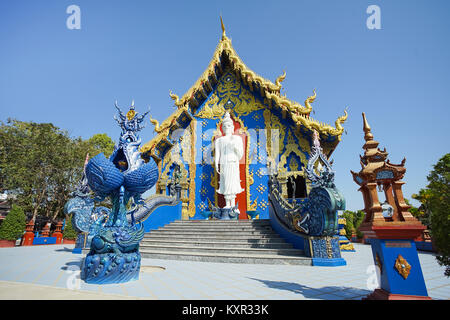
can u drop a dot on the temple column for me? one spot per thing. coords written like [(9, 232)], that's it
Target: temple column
[(308, 187), (184, 199), (283, 183), (387, 187), (366, 199), (46, 230), (27, 239), (375, 207), (400, 202), (58, 234)]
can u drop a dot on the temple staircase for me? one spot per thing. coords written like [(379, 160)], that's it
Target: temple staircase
[(231, 241)]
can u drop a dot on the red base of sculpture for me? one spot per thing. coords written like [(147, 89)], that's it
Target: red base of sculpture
[(393, 230), (380, 294)]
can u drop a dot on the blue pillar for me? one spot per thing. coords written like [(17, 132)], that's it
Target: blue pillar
[(401, 275)]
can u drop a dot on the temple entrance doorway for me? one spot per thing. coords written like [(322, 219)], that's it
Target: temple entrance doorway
[(296, 187)]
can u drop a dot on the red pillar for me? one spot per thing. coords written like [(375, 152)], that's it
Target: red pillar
[(28, 237), (46, 230), (58, 234)]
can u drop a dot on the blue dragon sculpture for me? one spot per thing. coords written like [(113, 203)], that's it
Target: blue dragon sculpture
[(115, 235), (316, 218)]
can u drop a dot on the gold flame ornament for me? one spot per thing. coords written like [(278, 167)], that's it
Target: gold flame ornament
[(130, 114), (402, 266)]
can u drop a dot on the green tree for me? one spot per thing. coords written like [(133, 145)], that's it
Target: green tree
[(439, 204), (99, 143), (353, 220), (13, 226), (349, 227), (42, 165), (422, 213), (69, 232), (435, 203), (30, 158)]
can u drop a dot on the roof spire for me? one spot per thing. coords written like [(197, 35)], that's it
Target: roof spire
[(367, 131), (223, 28)]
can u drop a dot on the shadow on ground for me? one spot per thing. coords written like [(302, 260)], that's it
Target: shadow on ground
[(64, 250), (72, 265), (316, 293)]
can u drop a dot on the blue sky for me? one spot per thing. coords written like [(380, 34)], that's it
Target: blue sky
[(399, 75)]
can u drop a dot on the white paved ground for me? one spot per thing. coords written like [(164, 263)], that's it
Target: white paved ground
[(51, 272)]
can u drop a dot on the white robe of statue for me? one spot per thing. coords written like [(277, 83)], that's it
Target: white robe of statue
[(229, 149)]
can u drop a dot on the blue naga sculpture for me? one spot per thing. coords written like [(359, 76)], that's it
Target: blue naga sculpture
[(316, 218), (115, 235)]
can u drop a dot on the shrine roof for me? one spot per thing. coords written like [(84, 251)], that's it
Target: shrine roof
[(375, 160)]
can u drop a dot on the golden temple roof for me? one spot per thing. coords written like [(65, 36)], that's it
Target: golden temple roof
[(225, 53)]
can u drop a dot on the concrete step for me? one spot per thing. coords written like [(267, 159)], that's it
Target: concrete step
[(222, 223), (215, 227), (225, 236), (211, 232), (227, 257), (257, 243), (218, 250), (232, 241)]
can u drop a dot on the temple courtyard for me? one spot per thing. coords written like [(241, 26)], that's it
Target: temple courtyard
[(52, 272)]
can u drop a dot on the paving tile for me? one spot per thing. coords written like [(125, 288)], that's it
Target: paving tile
[(329, 296), (199, 280)]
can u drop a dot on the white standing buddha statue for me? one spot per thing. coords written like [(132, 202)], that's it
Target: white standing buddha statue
[(229, 149)]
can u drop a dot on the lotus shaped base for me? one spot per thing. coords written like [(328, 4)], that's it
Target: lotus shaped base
[(104, 268)]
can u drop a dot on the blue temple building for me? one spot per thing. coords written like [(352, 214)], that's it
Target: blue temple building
[(277, 134)]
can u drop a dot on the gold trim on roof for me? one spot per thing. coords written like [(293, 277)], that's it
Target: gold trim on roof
[(247, 75), (267, 89), (321, 127)]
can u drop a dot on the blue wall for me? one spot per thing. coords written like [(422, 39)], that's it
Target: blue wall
[(161, 216), (297, 241)]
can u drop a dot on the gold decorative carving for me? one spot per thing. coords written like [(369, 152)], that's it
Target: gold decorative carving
[(328, 247), (162, 129), (291, 146), (253, 205), (272, 122), (263, 204), (212, 108), (311, 124), (131, 114), (296, 218), (348, 246), (192, 169), (402, 266), (228, 94), (293, 165)]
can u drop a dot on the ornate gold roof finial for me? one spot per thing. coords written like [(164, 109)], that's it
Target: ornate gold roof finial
[(175, 98), (223, 28), (280, 79), (367, 134)]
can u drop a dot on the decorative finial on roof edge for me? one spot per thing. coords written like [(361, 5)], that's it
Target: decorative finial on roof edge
[(280, 79), (367, 131), (223, 28)]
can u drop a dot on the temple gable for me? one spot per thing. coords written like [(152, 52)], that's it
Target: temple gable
[(276, 133)]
